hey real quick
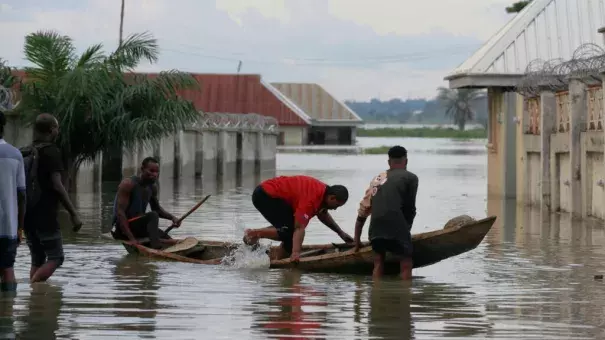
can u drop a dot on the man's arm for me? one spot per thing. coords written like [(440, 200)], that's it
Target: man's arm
[(54, 164), (63, 196), (411, 191), (123, 197), (325, 218), (154, 203), (365, 207)]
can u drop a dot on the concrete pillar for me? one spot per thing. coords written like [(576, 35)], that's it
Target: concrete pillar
[(510, 147), (210, 154), (246, 153), (258, 152), (578, 112), (177, 154), (548, 112), (221, 165), (199, 154)]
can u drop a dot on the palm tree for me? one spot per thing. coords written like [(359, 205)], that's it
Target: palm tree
[(100, 103), (517, 6), (458, 104)]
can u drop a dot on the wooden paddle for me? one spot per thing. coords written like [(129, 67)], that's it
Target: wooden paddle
[(188, 213)]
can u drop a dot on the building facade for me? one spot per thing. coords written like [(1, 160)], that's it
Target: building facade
[(543, 75)]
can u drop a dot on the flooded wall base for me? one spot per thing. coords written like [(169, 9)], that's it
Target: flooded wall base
[(563, 152)]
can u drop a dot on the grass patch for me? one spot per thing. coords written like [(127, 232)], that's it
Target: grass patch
[(378, 150), (423, 133)]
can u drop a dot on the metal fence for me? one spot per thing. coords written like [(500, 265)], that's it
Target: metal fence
[(244, 121), (586, 63)]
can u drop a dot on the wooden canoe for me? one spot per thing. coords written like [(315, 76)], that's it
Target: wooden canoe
[(429, 248)]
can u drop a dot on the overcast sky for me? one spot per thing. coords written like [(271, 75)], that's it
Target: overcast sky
[(356, 49)]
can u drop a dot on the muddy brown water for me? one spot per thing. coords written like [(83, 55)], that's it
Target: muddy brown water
[(531, 278)]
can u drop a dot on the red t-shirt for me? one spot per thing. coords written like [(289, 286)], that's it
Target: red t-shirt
[(304, 194)]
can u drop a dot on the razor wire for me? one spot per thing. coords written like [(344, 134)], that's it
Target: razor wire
[(243, 121), (587, 63)]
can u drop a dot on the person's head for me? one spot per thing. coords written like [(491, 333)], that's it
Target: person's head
[(336, 196), (46, 127), (2, 124), (398, 157), (150, 169)]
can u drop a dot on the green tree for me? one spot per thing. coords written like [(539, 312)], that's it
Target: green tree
[(517, 6), (100, 103), (458, 104)]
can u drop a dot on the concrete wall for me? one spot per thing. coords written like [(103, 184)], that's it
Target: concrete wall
[(560, 147), (293, 135), (212, 154)]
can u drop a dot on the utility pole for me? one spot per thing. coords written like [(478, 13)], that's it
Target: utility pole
[(121, 23)]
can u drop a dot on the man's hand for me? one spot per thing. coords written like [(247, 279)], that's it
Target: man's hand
[(295, 257), (175, 222), (77, 223), (346, 237), (357, 246)]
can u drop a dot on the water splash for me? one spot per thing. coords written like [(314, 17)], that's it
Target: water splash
[(245, 257)]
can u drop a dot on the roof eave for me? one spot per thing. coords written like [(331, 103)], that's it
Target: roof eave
[(483, 80)]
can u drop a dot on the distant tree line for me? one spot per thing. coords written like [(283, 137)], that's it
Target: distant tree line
[(449, 106)]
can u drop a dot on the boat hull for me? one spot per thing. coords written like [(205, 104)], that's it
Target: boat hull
[(428, 248)]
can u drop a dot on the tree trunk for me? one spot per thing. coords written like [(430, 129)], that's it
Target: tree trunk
[(461, 124)]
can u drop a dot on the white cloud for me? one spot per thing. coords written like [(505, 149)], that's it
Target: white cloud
[(298, 41), (478, 18)]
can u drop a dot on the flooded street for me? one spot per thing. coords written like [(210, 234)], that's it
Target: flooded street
[(531, 278)]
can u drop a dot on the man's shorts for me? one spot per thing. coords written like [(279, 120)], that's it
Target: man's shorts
[(398, 248), (277, 212), (45, 246), (8, 252)]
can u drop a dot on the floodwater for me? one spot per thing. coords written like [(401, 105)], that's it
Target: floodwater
[(531, 278)]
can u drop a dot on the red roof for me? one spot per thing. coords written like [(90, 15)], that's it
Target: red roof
[(230, 93)]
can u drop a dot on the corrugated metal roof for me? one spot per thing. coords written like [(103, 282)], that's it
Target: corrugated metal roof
[(545, 29), (232, 93), (318, 103)]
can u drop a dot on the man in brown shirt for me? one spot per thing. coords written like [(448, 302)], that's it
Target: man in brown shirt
[(391, 201)]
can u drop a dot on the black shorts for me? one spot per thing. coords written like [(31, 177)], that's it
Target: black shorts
[(277, 212), (400, 249), (45, 245), (8, 252)]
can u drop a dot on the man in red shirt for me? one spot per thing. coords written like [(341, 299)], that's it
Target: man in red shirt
[(289, 203)]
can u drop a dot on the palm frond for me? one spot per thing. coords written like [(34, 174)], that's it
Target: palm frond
[(51, 53), (92, 55), (135, 49)]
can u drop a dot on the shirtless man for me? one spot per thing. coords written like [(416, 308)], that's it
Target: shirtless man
[(289, 203), (130, 220), (391, 200)]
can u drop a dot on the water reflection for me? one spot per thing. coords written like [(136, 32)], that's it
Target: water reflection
[(7, 327), (42, 310), (545, 264), (390, 314), (137, 284), (292, 314)]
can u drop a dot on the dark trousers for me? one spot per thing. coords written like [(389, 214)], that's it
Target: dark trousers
[(146, 226)]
